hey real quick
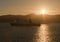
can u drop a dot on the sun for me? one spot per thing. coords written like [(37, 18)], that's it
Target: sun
[(43, 11)]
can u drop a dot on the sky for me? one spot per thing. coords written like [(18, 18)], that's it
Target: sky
[(28, 6)]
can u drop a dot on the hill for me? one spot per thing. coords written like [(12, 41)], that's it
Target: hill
[(31, 18)]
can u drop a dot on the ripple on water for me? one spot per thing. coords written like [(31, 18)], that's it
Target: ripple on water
[(42, 34)]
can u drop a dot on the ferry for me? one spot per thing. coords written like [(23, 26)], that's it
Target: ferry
[(18, 23)]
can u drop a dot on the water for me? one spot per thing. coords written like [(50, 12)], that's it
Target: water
[(43, 33)]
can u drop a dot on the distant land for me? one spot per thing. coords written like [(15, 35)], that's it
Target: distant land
[(30, 18)]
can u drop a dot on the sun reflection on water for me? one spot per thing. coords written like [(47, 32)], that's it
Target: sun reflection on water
[(43, 33)]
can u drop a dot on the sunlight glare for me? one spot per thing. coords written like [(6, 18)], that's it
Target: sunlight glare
[(43, 11), (43, 32)]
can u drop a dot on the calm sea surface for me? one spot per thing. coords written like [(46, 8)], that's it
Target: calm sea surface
[(43, 33)]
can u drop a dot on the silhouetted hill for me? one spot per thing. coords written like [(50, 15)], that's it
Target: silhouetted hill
[(51, 19), (27, 19), (31, 18)]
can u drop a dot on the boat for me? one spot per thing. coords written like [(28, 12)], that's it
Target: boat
[(18, 23)]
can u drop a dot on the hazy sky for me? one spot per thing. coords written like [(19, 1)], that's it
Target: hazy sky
[(28, 6)]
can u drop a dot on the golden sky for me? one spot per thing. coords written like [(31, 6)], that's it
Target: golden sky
[(28, 6)]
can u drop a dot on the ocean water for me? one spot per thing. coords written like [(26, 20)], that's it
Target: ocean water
[(43, 33)]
